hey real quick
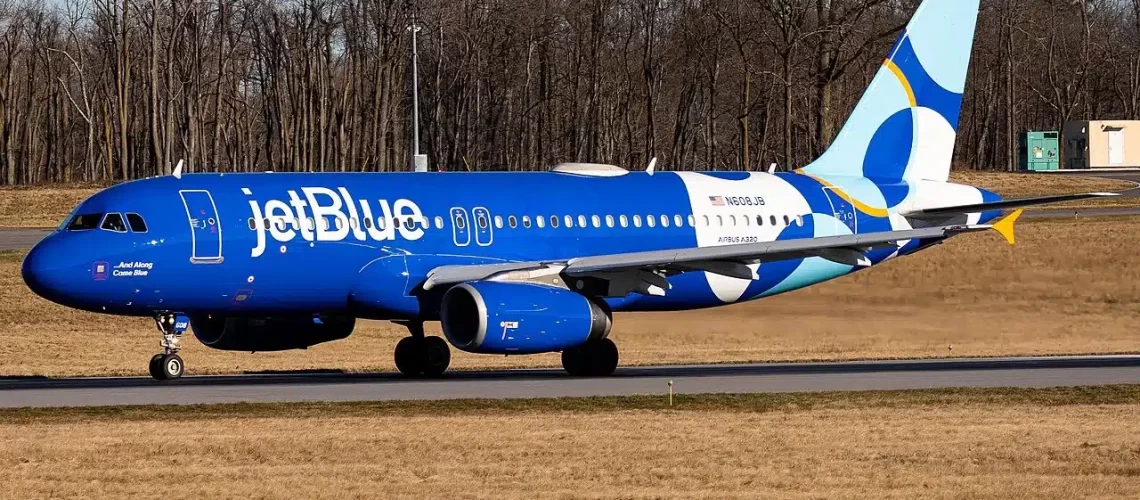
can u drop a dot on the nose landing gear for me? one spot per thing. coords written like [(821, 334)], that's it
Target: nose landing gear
[(168, 365), (421, 356)]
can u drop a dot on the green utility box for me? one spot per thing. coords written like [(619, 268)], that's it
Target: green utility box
[(1040, 151)]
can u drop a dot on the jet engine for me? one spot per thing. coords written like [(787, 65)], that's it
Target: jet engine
[(279, 333), (520, 318)]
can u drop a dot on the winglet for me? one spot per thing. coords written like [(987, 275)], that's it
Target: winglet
[(1005, 226), (177, 170), (652, 166)]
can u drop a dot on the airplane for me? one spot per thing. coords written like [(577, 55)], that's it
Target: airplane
[(527, 262)]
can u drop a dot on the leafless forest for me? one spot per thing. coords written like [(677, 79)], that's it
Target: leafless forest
[(105, 90)]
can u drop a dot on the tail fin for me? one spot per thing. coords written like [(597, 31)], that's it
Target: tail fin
[(905, 125)]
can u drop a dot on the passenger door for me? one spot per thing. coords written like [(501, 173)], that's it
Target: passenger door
[(205, 227)]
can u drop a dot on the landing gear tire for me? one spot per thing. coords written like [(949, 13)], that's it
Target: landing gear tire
[(167, 365), (436, 356), (172, 366), (156, 366), (422, 356), (597, 358)]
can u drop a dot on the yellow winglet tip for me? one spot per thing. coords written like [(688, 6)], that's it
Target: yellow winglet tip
[(1005, 226)]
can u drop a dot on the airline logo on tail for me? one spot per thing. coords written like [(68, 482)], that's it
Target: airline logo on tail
[(324, 214)]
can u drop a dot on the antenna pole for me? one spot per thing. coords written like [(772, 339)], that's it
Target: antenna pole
[(419, 162)]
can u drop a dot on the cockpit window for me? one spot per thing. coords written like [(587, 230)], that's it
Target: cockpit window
[(83, 222), (138, 225), (114, 222)]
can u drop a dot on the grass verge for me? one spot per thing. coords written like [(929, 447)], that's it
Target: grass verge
[(970, 443)]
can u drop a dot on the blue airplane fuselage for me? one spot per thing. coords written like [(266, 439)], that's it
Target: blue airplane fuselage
[(341, 243)]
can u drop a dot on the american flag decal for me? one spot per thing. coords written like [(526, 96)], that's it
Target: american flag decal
[(717, 201)]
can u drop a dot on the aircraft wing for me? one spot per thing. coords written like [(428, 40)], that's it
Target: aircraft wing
[(1001, 205), (646, 271)]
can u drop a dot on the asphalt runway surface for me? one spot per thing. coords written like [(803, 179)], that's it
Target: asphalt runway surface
[(509, 384)]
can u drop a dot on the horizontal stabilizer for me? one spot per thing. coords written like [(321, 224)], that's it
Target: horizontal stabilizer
[(1002, 205)]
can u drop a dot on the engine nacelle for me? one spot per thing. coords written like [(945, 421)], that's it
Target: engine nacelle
[(269, 334), (520, 318)]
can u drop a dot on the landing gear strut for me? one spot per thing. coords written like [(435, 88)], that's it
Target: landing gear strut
[(168, 365), (422, 356), (596, 358)]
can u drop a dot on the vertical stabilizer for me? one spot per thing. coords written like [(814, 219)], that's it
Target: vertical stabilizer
[(905, 125)]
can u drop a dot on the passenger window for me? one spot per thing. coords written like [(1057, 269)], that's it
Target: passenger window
[(581, 221), (637, 221), (732, 220), (692, 221), (786, 222), (624, 221), (252, 224), (569, 221), (83, 222), (438, 222), (513, 222), (482, 220), (554, 221), (596, 221), (772, 218), (677, 221), (138, 225), (498, 222), (526, 221), (458, 223), (746, 220), (705, 219), (759, 220), (412, 223), (650, 221), (609, 221), (540, 221), (114, 222), (368, 223), (719, 220)]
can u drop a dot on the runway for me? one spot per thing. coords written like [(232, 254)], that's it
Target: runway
[(754, 378)]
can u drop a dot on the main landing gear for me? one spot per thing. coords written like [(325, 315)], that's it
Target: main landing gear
[(422, 356), (168, 365), (596, 358)]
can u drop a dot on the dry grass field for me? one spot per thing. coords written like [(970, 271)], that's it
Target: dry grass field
[(47, 206), (1067, 287), (980, 444)]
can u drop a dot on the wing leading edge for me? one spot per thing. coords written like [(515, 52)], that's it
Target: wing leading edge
[(646, 271)]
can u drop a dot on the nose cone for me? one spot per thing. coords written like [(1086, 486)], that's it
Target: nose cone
[(43, 269)]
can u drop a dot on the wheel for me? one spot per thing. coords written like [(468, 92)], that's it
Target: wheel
[(573, 361), (156, 367), (603, 358), (597, 358), (171, 366), (436, 356), (409, 356)]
